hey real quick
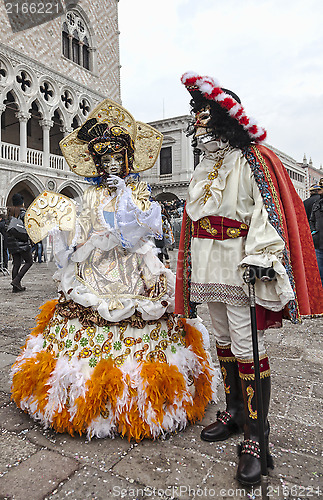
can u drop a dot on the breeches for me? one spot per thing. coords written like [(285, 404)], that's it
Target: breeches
[(232, 325)]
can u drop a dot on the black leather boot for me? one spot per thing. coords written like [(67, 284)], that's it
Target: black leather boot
[(17, 287), (231, 420), (249, 468)]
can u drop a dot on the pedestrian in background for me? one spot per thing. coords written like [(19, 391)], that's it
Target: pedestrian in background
[(3, 243), (19, 245), (168, 238), (316, 225), (38, 252), (315, 191)]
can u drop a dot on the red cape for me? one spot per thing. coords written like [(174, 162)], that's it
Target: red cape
[(295, 230)]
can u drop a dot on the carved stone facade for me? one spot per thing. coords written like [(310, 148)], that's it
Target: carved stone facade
[(51, 77)]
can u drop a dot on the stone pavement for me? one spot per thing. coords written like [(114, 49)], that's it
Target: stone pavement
[(39, 464)]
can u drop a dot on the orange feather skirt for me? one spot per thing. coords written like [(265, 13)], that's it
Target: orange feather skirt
[(138, 379)]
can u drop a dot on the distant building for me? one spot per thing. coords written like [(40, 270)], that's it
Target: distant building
[(170, 176), (313, 174), (51, 76)]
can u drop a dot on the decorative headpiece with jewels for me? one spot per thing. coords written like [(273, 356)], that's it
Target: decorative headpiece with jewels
[(110, 128), (207, 88)]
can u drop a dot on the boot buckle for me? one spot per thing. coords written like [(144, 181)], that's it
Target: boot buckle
[(249, 446), (224, 417)]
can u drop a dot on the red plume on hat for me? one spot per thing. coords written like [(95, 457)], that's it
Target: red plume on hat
[(206, 87)]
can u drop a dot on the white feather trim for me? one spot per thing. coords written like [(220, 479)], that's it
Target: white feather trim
[(234, 110), (34, 345), (189, 74), (67, 380), (206, 88)]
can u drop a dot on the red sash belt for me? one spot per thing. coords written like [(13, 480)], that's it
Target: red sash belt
[(218, 228)]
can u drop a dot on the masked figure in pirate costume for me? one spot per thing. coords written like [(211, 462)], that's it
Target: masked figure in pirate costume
[(241, 209), (109, 356)]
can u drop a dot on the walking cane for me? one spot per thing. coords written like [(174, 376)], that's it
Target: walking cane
[(249, 276)]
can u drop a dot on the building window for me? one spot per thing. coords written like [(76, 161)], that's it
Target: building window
[(86, 54), (66, 42), (166, 161), (76, 40), (76, 47)]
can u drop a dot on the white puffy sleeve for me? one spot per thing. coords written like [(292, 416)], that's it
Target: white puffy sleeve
[(264, 247), (136, 216)]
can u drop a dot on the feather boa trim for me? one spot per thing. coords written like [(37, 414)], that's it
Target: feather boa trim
[(139, 399)]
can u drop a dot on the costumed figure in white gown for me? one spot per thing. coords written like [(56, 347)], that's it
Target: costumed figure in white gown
[(109, 356)]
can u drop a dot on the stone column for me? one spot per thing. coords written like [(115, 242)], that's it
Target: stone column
[(2, 109), (23, 118), (81, 52), (70, 38), (93, 60), (46, 125)]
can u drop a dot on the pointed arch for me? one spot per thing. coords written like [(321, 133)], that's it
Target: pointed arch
[(56, 133), (10, 126), (34, 129), (28, 183)]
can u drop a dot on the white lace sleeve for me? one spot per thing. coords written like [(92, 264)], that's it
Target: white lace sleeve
[(134, 223)]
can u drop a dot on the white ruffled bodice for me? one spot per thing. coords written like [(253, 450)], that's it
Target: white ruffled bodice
[(112, 264)]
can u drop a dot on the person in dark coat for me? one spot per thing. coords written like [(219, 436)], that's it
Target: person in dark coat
[(4, 247), (316, 225), (314, 196), (20, 249)]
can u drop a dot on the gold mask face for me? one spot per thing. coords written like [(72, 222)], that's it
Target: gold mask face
[(202, 118)]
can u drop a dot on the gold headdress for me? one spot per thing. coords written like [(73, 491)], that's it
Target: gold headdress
[(147, 140)]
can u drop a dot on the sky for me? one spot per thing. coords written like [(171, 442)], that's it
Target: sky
[(269, 52)]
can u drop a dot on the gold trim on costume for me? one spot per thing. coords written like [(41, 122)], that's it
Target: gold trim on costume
[(211, 176), (251, 392), (251, 376), (148, 144), (225, 374), (205, 223), (226, 346), (187, 237), (263, 356), (233, 232), (227, 360)]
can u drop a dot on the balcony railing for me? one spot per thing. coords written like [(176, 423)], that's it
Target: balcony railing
[(166, 177), (9, 151), (33, 157), (56, 161)]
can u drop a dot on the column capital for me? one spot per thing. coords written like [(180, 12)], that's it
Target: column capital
[(23, 116), (2, 108), (46, 124), (65, 130)]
